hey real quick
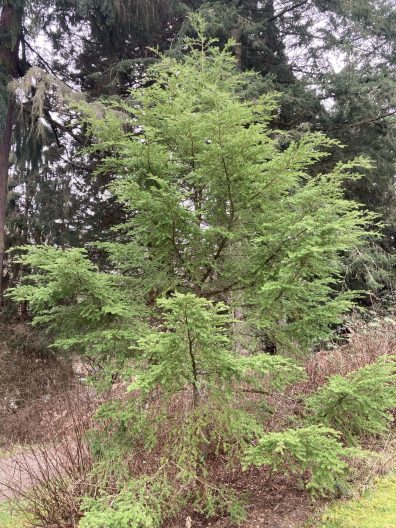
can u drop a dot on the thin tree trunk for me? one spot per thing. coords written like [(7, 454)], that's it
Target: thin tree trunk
[(25, 238), (5, 147), (236, 35)]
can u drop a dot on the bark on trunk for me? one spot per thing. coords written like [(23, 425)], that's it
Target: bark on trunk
[(5, 147), (236, 35)]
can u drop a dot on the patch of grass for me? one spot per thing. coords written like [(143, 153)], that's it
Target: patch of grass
[(14, 450), (375, 509), (10, 518)]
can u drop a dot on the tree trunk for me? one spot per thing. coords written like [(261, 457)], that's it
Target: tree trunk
[(5, 147), (10, 38), (25, 238), (236, 35)]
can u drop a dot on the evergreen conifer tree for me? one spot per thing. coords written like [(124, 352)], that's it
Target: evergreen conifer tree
[(217, 209), (221, 218)]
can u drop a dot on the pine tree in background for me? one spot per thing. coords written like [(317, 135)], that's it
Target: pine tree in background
[(10, 67)]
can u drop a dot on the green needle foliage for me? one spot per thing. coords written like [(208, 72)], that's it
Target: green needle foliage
[(224, 216), (314, 454), (188, 404), (358, 404), (68, 291), (193, 347), (82, 308), (216, 206), (139, 505)]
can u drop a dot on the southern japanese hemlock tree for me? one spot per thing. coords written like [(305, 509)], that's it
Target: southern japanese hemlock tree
[(232, 237)]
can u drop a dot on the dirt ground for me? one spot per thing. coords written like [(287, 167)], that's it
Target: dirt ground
[(270, 503), (273, 502)]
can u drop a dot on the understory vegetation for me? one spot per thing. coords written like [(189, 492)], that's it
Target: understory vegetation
[(11, 516), (375, 510), (200, 313)]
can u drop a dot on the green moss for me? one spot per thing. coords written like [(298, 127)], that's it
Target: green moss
[(376, 509)]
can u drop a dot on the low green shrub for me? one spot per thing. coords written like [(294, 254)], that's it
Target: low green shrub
[(359, 403), (314, 454), (138, 505), (145, 502)]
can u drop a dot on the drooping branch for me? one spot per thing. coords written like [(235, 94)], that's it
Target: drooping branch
[(363, 122), (283, 12)]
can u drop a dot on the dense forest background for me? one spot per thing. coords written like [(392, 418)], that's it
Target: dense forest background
[(332, 63)]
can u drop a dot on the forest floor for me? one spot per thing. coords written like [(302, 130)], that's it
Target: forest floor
[(276, 506), (272, 501)]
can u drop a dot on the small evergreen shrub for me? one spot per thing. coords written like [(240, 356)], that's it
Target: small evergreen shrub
[(145, 502), (138, 505), (357, 404), (314, 454), (187, 409)]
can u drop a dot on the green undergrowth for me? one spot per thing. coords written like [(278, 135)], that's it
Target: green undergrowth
[(375, 509), (10, 517), (6, 452)]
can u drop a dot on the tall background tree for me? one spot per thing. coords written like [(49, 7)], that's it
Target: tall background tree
[(10, 67)]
